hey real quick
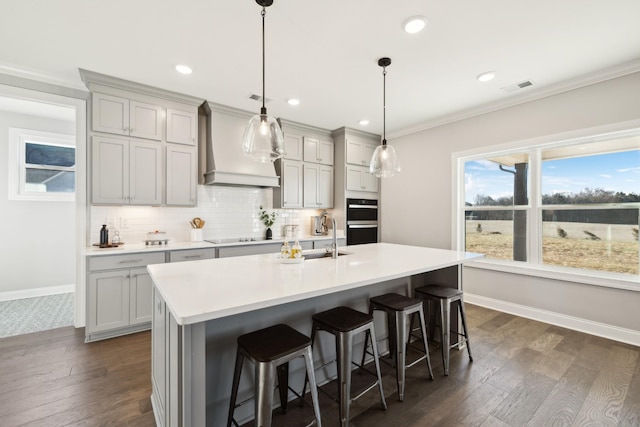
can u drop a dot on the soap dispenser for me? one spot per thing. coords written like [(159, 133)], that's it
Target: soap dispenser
[(296, 250)]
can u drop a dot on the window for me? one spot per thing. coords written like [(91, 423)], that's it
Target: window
[(563, 206), (42, 165)]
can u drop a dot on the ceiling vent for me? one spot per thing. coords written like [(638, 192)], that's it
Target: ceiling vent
[(259, 98), (517, 86)]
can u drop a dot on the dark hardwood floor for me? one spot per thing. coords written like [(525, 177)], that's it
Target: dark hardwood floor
[(525, 373)]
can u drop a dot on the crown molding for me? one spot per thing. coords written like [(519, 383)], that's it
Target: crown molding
[(554, 89), (41, 77)]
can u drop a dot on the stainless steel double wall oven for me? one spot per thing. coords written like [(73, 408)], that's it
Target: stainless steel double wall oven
[(362, 221)]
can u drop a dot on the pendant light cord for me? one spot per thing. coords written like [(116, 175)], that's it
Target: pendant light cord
[(264, 109), (384, 105)]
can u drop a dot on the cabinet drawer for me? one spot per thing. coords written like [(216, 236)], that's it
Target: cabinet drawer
[(125, 261), (192, 254)]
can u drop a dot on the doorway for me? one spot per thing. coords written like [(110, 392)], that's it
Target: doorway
[(43, 205)]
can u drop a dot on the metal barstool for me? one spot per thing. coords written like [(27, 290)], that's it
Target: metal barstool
[(344, 323), (399, 309), (271, 349), (444, 296)]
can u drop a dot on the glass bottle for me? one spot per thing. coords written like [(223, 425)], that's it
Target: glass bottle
[(285, 251), (115, 240), (296, 250), (104, 235)]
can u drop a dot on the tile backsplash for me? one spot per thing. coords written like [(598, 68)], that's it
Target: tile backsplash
[(228, 212)]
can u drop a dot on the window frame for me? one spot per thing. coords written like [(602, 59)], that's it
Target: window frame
[(18, 138), (533, 148)]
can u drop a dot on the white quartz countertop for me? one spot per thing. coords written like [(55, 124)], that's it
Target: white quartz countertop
[(175, 246), (197, 291)]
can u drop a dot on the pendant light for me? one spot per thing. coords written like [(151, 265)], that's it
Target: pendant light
[(262, 139), (384, 162)]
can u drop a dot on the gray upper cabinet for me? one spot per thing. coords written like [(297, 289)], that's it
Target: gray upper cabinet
[(359, 151), (126, 172), (289, 194), (182, 127), (318, 151), (121, 116), (181, 170), (292, 146), (318, 186)]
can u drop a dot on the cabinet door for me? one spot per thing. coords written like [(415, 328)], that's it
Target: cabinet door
[(110, 171), (140, 298), (182, 127), (369, 181), (325, 152), (182, 176), (367, 152), (292, 146), (145, 184), (291, 183), (192, 254), (145, 120), (108, 301), (325, 187), (317, 151), (354, 156), (311, 181), (353, 178), (159, 351), (110, 114)]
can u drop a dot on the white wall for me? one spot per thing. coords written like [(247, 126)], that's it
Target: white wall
[(423, 215), (38, 238)]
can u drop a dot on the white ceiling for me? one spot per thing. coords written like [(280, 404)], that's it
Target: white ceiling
[(325, 53)]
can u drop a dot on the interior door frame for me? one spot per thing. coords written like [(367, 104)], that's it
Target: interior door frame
[(37, 91)]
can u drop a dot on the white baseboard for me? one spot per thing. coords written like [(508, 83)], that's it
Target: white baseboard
[(37, 292), (603, 330)]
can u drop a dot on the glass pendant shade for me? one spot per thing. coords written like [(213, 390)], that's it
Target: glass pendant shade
[(384, 162), (262, 140)]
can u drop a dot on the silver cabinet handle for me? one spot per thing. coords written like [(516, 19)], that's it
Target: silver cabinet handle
[(192, 256), (129, 261)]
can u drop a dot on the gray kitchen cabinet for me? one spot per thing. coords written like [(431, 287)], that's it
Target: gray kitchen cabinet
[(191, 254), (119, 294), (113, 114), (181, 175), (182, 127), (359, 151), (289, 194), (318, 186), (126, 172), (359, 179), (292, 146), (318, 151)]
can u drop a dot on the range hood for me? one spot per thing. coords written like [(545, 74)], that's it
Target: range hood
[(225, 163)]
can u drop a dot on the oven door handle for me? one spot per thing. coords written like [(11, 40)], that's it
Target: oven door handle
[(363, 206), (362, 226)]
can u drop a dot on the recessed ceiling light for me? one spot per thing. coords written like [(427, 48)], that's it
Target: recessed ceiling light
[(415, 24), (363, 122), (183, 69), (486, 76), (293, 101)]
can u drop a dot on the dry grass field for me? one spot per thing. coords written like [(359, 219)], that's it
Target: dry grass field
[(616, 251)]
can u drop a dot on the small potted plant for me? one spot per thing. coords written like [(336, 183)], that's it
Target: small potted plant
[(268, 219)]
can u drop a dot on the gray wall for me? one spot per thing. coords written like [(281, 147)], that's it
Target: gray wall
[(38, 237), (423, 216)]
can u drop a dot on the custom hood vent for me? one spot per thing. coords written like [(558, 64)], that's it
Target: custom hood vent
[(226, 164)]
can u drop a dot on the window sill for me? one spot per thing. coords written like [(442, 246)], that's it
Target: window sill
[(585, 277)]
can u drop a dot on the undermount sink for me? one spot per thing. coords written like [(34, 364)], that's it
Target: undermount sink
[(314, 255)]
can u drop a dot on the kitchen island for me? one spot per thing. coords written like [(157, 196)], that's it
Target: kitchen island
[(201, 307)]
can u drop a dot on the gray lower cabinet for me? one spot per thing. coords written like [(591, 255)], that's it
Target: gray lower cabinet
[(119, 294), (191, 254)]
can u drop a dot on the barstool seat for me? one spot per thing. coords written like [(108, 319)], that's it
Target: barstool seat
[(445, 296), (270, 350), (399, 308), (344, 323)]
